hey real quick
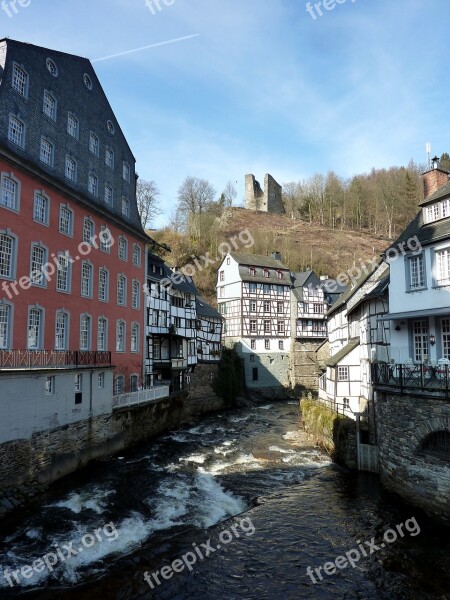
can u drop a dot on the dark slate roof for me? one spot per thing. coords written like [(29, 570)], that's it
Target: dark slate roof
[(343, 352), (181, 282), (259, 277), (380, 288), (352, 289), (255, 260), (426, 233), (206, 310), (302, 280)]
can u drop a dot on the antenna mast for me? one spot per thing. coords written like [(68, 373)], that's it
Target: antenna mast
[(428, 149)]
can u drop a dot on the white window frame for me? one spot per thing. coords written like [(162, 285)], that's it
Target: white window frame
[(126, 171), (88, 234), (49, 105), (103, 286), (9, 177), (417, 278), (137, 255), (7, 325), (93, 184), (66, 331), (442, 262), (109, 195), (94, 144), (125, 206), (109, 152), (122, 248), (71, 174), (101, 380), (343, 373), (121, 301), (45, 209), (69, 233), (39, 338), (16, 131), (20, 80), (47, 154), (38, 280), (11, 274), (102, 347), (134, 338), (135, 294), (121, 335), (50, 385), (73, 120), (67, 270), (85, 318), (87, 291)]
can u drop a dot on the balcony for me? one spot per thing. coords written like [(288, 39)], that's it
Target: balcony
[(141, 397), (52, 359), (427, 379), (310, 333)]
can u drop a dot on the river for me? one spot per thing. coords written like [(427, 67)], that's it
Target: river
[(246, 481)]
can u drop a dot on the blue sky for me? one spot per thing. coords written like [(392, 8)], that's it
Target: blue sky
[(263, 87)]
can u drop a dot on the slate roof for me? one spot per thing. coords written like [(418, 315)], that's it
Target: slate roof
[(255, 260), (343, 352), (302, 280), (426, 233), (206, 310)]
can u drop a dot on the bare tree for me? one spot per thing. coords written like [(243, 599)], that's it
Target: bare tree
[(147, 193), (195, 197), (229, 194)]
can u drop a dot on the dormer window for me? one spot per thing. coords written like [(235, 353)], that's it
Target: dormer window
[(279, 275), (436, 211), (266, 273)]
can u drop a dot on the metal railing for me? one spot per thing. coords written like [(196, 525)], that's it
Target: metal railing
[(141, 397), (52, 359), (406, 377)]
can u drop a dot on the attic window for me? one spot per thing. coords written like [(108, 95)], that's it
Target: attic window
[(266, 273), (436, 211), (279, 275), (87, 81), (110, 126), (51, 66), (252, 271)]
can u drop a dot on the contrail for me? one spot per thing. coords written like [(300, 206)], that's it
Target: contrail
[(180, 39)]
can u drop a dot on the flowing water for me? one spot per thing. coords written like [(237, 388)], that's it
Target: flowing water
[(290, 507)]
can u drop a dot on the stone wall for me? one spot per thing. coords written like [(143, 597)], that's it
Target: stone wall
[(335, 433), (404, 421), (29, 464), (304, 364), (267, 200)]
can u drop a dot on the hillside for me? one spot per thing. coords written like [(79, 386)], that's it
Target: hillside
[(302, 245)]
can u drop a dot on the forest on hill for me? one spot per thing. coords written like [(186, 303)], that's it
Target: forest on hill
[(330, 223)]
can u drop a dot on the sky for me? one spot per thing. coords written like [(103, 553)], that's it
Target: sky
[(258, 86)]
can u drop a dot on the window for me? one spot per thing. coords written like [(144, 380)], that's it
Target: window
[(123, 248), (119, 385), (109, 158), (103, 284), (38, 260), (280, 307), (120, 336), (49, 106), (109, 195), (20, 81), (102, 334), (134, 380), (445, 207), (5, 326), (266, 288), (136, 255), (16, 132), (252, 271), (134, 337), (222, 276), (46, 154), (85, 332), (105, 239), (267, 306), (279, 275), (420, 340), (252, 358), (35, 318), (41, 209), (432, 212), (253, 344), (266, 326), (52, 68), (61, 331), (266, 273), (177, 321), (228, 260), (78, 382), (157, 349), (93, 144), (135, 289), (86, 279), (126, 171), (93, 184), (63, 274), (65, 220), (252, 305), (10, 193), (252, 326), (88, 230), (317, 308), (280, 290), (443, 266), (7, 255), (72, 125), (343, 374), (100, 380), (281, 345), (50, 385), (445, 337), (416, 272), (267, 344), (121, 290), (255, 374), (71, 169), (280, 327), (125, 206)]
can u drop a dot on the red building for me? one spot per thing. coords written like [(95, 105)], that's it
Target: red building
[(72, 248)]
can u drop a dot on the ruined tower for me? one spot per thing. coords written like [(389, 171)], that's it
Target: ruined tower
[(267, 200)]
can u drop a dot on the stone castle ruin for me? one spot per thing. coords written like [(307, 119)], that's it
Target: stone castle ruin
[(267, 200)]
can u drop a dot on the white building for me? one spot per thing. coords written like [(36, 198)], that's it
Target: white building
[(253, 295), (356, 338)]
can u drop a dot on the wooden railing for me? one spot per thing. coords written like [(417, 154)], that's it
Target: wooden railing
[(52, 359), (407, 377)]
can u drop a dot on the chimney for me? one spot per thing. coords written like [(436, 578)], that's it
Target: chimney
[(276, 256), (434, 178)]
